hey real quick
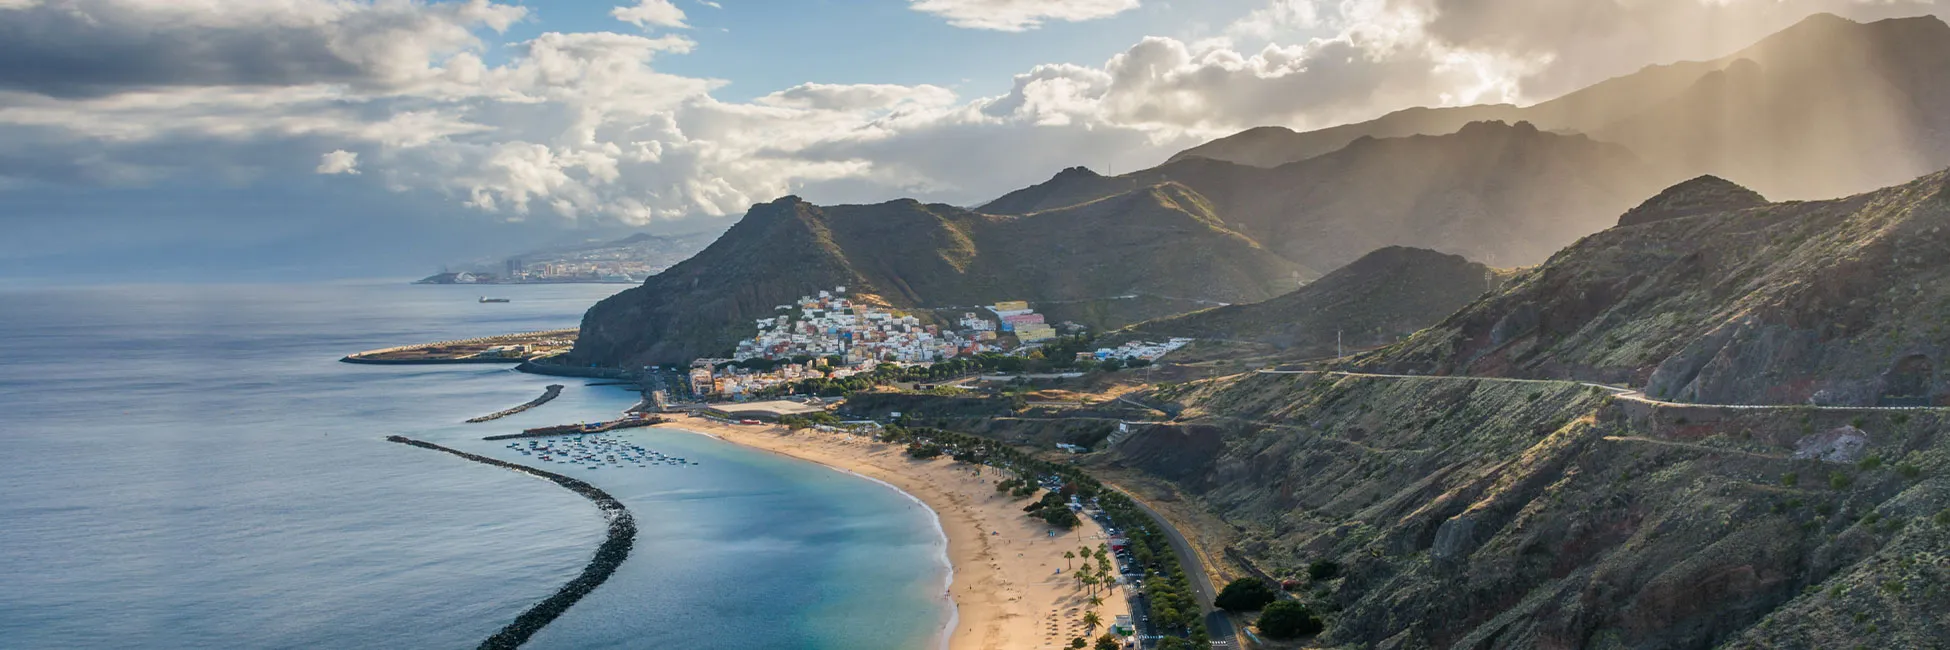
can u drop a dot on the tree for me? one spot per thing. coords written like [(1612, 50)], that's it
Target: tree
[(1091, 620), (1078, 643), (1323, 570), (1096, 601), (1174, 643), (1245, 595), (1107, 642), (1287, 619), (1067, 556)]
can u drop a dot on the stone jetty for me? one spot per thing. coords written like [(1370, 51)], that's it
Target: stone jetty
[(614, 550), (550, 393)]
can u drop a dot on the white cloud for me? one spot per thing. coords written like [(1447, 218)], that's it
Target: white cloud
[(338, 162), (1019, 15), (651, 13), (585, 126)]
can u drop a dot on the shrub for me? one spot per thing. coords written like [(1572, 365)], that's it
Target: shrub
[(1323, 570), (922, 451), (1870, 464), (1790, 478), (1288, 619), (1245, 595), (1909, 471), (1840, 480)]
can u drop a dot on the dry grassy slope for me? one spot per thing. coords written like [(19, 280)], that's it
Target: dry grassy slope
[(1837, 302), (1162, 240), (1378, 299), (1482, 514)]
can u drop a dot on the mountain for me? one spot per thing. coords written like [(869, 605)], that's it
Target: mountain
[(1830, 302), (1447, 512), (1506, 194), (1824, 108), (1703, 195), (1160, 240), (1380, 298)]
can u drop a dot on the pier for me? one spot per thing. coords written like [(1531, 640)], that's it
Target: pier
[(503, 348), (631, 422), (553, 391)]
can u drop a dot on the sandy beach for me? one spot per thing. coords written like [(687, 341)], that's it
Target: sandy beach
[(1011, 588)]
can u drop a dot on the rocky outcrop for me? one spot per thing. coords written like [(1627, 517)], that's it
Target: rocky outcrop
[(1380, 298), (1703, 195)]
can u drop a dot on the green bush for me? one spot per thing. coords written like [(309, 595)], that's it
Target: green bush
[(1840, 480), (1790, 478), (1245, 595), (1909, 471), (1288, 619), (1870, 464), (1323, 570)]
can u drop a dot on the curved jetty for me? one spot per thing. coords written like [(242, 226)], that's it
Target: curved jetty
[(550, 393), (615, 549)]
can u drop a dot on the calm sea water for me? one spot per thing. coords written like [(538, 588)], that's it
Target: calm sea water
[(190, 466)]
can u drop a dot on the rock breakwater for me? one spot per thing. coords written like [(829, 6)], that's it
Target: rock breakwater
[(553, 391), (614, 550)]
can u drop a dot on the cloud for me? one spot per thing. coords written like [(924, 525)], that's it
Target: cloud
[(587, 127), (78, 48), (651, 13), (339, 162), (1019, 15)]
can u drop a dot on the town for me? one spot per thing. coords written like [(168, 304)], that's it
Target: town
[(831, 336)]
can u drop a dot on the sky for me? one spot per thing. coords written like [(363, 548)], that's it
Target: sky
[(335, 138)]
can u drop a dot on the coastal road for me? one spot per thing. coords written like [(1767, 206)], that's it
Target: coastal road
[(1217, 624), (1618, 391)]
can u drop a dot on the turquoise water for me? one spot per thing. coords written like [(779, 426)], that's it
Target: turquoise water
[(189, 466)]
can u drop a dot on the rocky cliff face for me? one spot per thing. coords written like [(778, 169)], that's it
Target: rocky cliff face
[(1159, 240), (1468, 513), (1380, 298), (1831, 302)]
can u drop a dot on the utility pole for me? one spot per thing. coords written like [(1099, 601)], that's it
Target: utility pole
[(1339, 352)]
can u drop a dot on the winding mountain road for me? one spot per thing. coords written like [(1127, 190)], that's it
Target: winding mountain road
[(1617, 391)]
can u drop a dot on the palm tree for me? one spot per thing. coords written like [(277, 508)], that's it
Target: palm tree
[(1096, 601), (1091, 621), (1067, 556)]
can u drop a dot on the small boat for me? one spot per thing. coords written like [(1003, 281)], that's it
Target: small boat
[(487, 299)]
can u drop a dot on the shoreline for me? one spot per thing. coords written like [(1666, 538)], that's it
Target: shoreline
[(1007, 584)]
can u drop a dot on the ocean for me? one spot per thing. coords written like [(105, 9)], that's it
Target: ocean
[(190, 466)]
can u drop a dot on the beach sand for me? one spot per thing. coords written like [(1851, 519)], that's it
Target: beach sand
[(1011, 588)]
